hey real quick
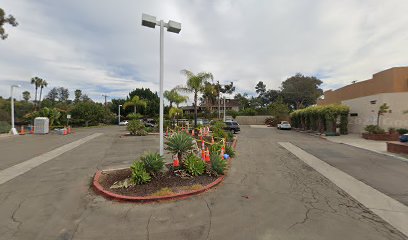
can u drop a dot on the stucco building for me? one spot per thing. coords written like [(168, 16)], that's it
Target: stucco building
[(365, 97)]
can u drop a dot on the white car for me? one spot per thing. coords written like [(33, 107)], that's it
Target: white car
[(284, 125), (124, 123)]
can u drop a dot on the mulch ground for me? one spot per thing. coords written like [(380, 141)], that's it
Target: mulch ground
[(163, 180)]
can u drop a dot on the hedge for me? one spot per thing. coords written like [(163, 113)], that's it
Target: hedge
[(320, 118)]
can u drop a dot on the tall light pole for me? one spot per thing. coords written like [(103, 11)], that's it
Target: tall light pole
[(13, 128), (172, 26), (224, 108), (119, 114)]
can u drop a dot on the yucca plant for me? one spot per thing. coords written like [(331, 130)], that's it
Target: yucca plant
[(180, 144), (139, 173), (153, 162)]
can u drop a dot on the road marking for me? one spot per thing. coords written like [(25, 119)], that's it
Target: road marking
[(258, 126), (389, 209), (21, 168)]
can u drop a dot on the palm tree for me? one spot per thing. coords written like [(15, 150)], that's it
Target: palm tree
[(43, 84), (36, 81), (195, 84), (383, 109), (180, 99), (135, 101), (174, 97), (175, 113)]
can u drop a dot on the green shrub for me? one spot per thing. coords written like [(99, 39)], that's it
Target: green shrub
[(218, 130), (230, 151), (402, 131), (374, 129), (194, 165), (139, 173), (180, 144), (230, 136), (153, 162), (216, 148), (4, 127), (217, 163), (137, 128), (134, 116)]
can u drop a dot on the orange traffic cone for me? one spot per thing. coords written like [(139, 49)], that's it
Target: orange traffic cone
[(69, 130), (203, 155), (65, 131), (176, 162), (32, 130), (22, 131), (202, 145), (207, 157)]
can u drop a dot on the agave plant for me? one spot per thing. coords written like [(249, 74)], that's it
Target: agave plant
[(180, 144), (153, 162)]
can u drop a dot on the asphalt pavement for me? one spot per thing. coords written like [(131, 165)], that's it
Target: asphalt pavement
[(268, 194)]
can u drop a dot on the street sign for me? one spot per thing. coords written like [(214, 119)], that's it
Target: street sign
[(69, 116)]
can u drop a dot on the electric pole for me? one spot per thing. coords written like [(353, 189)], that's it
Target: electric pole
[(104, 95)]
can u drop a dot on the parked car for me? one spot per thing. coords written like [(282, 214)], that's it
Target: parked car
[(232, 126), (203, 122), (149, 122), (284, 125), (124, 123)]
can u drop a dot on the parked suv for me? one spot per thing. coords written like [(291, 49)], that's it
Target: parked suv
[(232, 126)]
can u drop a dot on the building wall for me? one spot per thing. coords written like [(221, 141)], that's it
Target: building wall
[(251, 120), (367, 111), (392, 80)]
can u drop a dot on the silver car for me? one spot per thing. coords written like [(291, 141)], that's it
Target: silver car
[(284, 125)]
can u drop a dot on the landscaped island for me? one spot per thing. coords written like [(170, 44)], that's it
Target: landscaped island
[(200, 159)]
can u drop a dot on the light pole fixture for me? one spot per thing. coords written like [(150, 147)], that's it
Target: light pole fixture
[(13, 129), (172, 26), (119, 114)]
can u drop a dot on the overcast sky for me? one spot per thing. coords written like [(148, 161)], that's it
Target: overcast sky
[(99, 46)]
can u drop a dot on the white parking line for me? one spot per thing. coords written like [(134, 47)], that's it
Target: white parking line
[(258, 126), (389, 209), (21, 168)]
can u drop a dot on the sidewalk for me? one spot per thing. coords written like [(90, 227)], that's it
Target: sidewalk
[(356, 140)]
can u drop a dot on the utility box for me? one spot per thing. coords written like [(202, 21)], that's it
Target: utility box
[(41, 125)]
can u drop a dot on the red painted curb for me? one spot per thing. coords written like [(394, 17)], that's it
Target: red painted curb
[(112, 195), (147, 199)]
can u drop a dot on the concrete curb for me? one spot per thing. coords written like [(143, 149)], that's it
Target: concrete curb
[(147, 199), (150, 199)]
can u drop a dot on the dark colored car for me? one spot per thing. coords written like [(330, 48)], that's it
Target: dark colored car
[(232, 126)]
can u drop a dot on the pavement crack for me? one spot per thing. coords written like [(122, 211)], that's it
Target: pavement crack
[(147, 227), (210, 217), (14, 218), (244, 178)]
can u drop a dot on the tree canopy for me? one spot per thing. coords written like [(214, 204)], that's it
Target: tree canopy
[(301, 91), (6, 19)]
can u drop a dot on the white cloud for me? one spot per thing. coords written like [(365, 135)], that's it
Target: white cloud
[(101, 47)]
